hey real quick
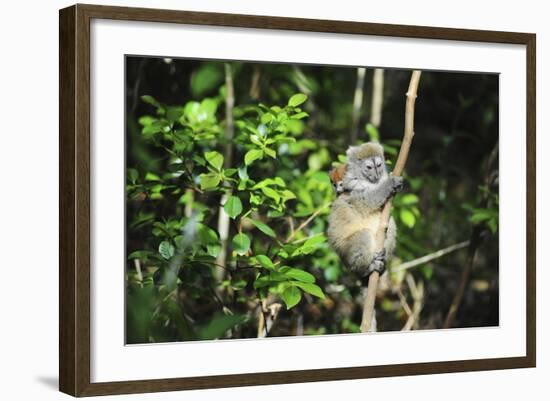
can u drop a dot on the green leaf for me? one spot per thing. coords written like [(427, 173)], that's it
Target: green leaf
[(243, 174), (206, 78), (263, 228), (270, 152), (407, 217), (241, 244), (209, 181), (299, 116), (219, 325), (215, 159), (310, 288), (151, 177), (271, 193), (151, 100), (213, 249), (291, 295), (146, 120), (139, 254), (133, 175), (166, 249), (251, 155), (374, 135), (298, 274), (255, 199), (332, 273), (315, 240), (266, 118), (409, 199), (297, 100), (233, 207), (265, 261), (493, 225)]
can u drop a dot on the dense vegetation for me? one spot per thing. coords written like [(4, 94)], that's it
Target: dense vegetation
[(228, 196)]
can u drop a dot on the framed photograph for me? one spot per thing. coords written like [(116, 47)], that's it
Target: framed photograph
[(250, 200)]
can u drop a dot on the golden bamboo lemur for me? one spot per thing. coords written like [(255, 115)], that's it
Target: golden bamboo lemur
[(363, 186), (337, 178)]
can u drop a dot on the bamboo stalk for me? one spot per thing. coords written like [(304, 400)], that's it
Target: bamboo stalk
[(357, 104), (377, 97), (223, 218)]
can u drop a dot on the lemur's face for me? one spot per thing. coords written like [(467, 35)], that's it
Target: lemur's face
[(338, 187), (374, 168)]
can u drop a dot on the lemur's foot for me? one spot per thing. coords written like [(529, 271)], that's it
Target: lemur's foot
[(378, 263)]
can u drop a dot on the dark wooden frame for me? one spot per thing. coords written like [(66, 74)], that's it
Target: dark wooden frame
[(74, 202)]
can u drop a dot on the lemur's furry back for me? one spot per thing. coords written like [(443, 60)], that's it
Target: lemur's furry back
[(355, 214)]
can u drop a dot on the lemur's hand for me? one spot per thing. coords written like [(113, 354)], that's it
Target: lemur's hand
[(397, 184)]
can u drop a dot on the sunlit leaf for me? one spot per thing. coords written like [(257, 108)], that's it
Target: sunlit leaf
[(291, 296), (265, 261), (241, 243), (233, 207), (206, 78), (252, 155), (263, 228), (310, 288), (297, 100), (209, 180), (166, 249), (298, 274), (215, 159), (407, 217)]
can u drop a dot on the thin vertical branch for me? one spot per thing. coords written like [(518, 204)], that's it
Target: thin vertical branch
[(377, 97), (368, 304), (137, 265), (254, 91), (223, 218), (357, 104), (417, 293)]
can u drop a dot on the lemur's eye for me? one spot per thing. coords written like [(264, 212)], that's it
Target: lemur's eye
[(369, 167)]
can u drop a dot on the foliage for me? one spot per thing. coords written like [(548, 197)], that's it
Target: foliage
[(272, 187)]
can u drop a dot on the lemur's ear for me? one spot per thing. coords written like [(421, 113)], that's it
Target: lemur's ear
[(337, 173)]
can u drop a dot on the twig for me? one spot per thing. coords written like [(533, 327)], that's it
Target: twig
[(306, 222), (417, 292), (137, 265), (254, 91), (267, 316), (429, 257), (403, 302), (368, 303), (357, 104)]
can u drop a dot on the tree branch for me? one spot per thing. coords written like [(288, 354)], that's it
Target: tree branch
[(377, 97), (306, 222), (357, 104), (223, 218), (368, 304), (429, 257)]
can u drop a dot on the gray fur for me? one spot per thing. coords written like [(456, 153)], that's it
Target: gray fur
[(355, 214)]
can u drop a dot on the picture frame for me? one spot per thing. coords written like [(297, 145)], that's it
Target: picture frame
[(76, 338)]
